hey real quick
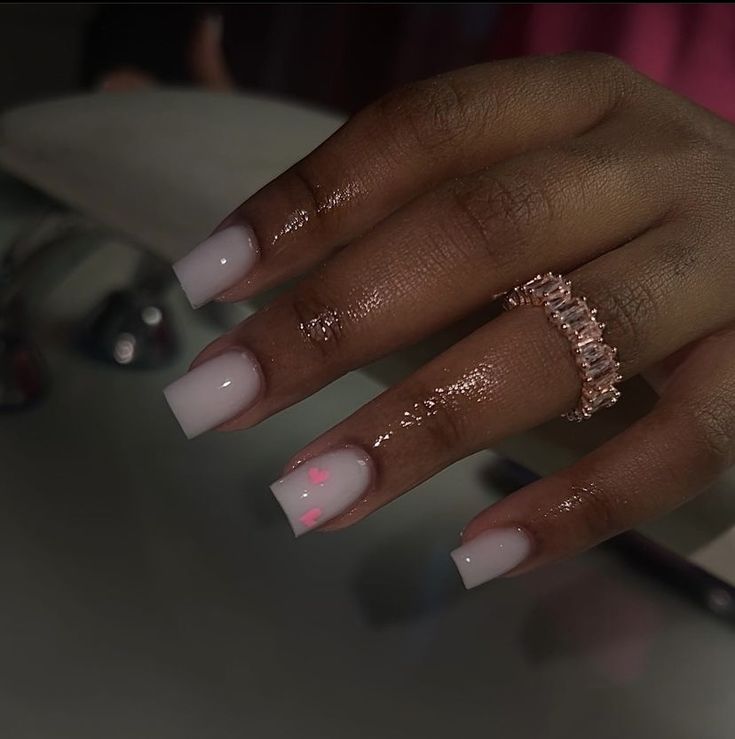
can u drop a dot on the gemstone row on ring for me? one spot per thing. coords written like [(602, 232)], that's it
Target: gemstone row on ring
[(596, 361)]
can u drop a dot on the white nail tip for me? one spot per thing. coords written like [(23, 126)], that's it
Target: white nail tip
[(214, 392), (322, 487), (217, 264), (490, 555)]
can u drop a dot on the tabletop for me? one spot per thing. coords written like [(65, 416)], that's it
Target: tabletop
[(152, 588)]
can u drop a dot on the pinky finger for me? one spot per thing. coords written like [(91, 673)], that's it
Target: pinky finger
[(657, 464), (207, 57)]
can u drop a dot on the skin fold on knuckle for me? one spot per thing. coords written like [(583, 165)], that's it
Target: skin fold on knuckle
[(429, 117), (613, 80), (321, 326), (497, 216), (431, 418), (630, 308), (713, 424), (309, 211), (587, 509), (704, 165), (585, 515)]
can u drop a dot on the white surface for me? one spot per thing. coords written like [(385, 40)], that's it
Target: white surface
[(162, 166)]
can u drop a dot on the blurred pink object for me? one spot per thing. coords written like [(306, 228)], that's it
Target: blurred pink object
[(687, 47)]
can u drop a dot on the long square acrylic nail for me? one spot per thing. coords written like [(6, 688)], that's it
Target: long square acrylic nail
[(322, 487), (214, 392)]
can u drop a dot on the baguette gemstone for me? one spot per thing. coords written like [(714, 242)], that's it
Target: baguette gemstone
[(596, 360)]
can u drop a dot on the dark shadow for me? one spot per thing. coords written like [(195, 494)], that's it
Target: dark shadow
[(407, 578)]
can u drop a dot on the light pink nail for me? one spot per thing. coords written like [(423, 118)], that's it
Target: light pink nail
[(323, 487), (217, 264), (490, 555), (214, 392)]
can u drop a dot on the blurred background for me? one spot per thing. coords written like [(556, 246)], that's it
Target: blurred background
[(150, 586), (342, 56), (339, 56)]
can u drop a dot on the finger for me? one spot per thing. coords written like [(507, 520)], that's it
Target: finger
[(516, 372), (648, 291), (126, 79), (651, 468), (207, 58), (442, 258), (393, 151)]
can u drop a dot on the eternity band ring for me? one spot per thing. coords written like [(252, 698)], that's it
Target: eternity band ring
[(596, 360)]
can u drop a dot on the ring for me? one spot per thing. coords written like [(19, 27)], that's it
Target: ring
[(596, 361)]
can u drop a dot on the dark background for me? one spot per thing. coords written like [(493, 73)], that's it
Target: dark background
[(337, 55)]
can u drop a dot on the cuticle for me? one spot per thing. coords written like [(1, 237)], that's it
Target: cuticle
[(298, 461)]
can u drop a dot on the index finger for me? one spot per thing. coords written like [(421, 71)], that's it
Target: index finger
[(391, 152)]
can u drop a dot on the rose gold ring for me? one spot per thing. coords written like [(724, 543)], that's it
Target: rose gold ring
[(596, 361)]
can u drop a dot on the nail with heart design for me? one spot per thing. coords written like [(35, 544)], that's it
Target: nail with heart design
[(322, 487), (310, 518), (318, 476)]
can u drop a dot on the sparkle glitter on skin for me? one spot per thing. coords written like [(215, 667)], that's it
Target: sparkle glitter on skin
[(478, 385), (298, 218), (340, 197), (325, 326), (364, 305), (295, 220), (579, 496)]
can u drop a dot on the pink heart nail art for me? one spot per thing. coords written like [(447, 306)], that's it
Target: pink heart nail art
[(311, 517), (318, 476)]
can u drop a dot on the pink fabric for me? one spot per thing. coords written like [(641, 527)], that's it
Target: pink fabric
[(687, 47)]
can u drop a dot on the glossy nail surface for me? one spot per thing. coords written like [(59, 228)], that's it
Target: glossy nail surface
[(322, 487), (217, 264), (214, 392), (490, 555)]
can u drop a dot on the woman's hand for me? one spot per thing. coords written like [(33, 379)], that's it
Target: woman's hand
[(421, 210)]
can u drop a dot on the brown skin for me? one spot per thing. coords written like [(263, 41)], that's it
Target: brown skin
[(451, 191)]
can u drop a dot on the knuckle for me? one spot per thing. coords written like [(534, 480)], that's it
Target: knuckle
[(610, 64), (426, 115), (309, 200), (698, 153), (606, 65), (320, 325), (713, 422), (438, 421), (629, 310), (499, 214), (708, 164), (620, 81), (598, 512)]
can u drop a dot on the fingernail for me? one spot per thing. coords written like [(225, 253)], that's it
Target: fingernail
[(217, 264), (490, 555), (214, 392), (323, 487)]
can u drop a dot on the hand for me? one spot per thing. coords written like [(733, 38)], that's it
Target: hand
[(420, 210)]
